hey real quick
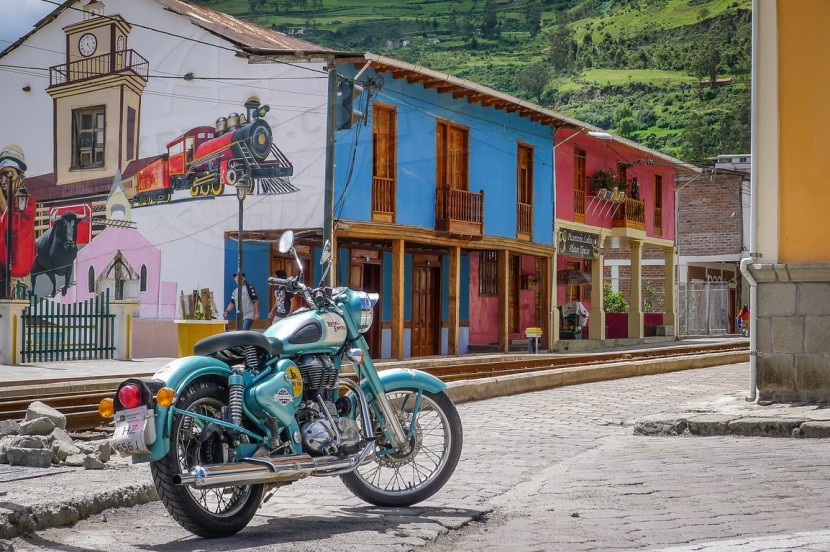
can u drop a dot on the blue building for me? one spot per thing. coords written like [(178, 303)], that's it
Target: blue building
[(443, 202)]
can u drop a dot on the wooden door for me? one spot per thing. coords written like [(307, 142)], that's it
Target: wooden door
[(367, 277), (514, 310), (426, 311)]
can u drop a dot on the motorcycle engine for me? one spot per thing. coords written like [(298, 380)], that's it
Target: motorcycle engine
[(323, 432), (321, 437), (318, 371)]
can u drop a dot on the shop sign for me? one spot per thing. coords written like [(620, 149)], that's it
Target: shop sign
[(578, 244)]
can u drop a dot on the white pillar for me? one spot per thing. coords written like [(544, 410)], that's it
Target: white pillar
[(122, 338), (596, 318), (669, 286), (11, 331)]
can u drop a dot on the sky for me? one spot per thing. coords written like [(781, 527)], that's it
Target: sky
[(18, 16)]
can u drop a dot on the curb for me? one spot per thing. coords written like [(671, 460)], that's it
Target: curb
[(25, 520), (488, 388), (709, 425)]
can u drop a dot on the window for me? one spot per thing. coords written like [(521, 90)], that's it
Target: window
[(131, 133), (384, 162), (488, 270), (453, 151), (524, 184), (90, 285), (88, 137), (383, 141), (658, 204), (580, 183), (143, 278)]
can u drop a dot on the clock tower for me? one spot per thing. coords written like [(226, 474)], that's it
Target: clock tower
[(97, 98)]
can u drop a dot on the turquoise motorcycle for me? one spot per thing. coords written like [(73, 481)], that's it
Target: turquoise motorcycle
[(223, 430)]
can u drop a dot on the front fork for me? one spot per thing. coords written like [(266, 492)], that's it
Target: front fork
[(366, 370)]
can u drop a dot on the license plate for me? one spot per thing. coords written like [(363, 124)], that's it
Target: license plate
[(134, 430)]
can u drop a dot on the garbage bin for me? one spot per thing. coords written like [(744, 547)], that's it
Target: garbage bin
[(533, 335)]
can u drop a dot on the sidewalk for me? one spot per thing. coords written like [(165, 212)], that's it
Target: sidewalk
[(30, 500)]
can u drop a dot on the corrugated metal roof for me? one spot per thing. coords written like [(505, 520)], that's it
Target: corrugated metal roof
[(246, 35), (478, 93), (249, 36)]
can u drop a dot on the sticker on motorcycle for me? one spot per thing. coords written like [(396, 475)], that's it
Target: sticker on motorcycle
[(283, 397), (295, 378)]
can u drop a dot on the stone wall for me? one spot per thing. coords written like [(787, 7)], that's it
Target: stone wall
[(793, 332)]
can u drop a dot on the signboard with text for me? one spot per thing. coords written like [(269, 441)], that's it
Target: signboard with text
[(577, 244)]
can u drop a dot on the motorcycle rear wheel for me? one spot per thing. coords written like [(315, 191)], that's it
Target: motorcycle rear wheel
[(396, 479), (209, 513)]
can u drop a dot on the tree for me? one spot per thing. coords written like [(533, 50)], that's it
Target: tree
[(695, 139), (533, 17), (490, 20), (562, 49), (533, 79), (707, 61)]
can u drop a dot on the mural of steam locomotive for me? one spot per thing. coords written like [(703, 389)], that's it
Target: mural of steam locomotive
[(239, 150)]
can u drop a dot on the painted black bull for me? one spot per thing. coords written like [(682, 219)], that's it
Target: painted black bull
[(56, 251)]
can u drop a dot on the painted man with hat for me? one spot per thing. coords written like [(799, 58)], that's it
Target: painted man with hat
[(12, 169)]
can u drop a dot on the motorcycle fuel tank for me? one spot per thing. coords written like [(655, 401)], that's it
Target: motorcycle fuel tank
[(306, 332)]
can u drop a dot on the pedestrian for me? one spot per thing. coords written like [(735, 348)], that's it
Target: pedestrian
[(743, 316), (282, 300), (23, 249), (248, 304)]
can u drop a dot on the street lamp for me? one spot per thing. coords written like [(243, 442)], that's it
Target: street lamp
[(21, 201), (241, 191)]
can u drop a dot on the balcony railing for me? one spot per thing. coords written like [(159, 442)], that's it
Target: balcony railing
[(383, 199), (579, 205), (99, 65), (658, 221), (632, 214), (525, 220), (459, 212)]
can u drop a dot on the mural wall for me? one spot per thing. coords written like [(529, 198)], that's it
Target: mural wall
[(135, 99)]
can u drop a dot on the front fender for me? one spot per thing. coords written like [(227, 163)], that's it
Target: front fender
[(177, 375), (404, 378)]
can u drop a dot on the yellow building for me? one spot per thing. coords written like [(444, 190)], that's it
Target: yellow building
[(790, 245)]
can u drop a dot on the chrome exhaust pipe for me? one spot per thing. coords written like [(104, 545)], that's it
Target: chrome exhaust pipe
[(254, 471)]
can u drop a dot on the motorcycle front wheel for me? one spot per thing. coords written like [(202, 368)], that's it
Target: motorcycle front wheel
[(402, 478), (209, 513)]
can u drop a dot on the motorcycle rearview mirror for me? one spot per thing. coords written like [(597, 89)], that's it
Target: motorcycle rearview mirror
[(325, 261), (286, 241)]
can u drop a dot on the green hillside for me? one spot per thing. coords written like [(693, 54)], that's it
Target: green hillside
[(671, 74)]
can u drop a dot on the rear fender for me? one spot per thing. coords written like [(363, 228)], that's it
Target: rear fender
[(177, 375)]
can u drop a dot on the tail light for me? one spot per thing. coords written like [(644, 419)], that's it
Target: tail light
[(129, 396)]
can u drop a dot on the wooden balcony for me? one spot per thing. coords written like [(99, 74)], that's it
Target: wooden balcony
[(88, 68), (579, 205), (459, 212), (658, 221), (383, 199), (632, 214), (524, 216)]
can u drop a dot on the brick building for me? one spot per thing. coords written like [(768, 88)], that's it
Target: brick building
[(712, 237)]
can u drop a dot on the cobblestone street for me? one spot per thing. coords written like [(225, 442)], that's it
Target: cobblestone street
[(546, 471)]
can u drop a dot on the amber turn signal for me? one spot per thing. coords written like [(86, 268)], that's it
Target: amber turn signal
[(106, 408), (165, 397)]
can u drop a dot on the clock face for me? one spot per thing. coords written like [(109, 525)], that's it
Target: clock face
[(119, 45), (87, 44)]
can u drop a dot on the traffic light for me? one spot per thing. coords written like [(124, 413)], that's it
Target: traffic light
[(345, 114)]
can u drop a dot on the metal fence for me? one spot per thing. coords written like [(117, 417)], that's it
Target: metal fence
[(703, 308), (78, 331)]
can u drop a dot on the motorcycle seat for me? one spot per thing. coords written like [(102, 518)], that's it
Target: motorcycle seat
[(234, 342)]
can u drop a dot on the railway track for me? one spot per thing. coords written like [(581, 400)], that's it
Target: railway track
[(78, 400)]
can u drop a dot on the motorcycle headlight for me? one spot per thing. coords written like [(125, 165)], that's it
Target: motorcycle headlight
[(367, 310)]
